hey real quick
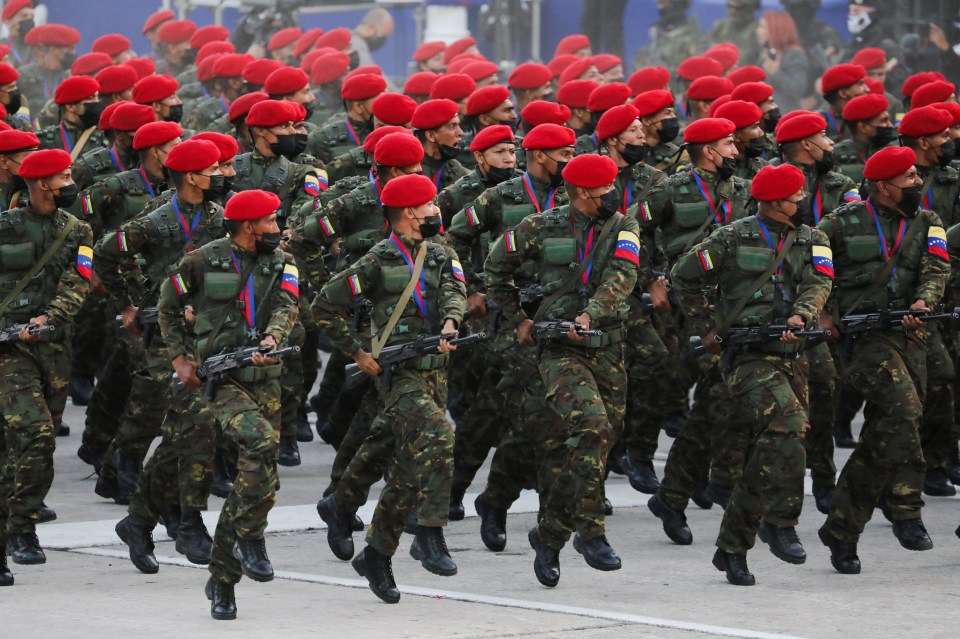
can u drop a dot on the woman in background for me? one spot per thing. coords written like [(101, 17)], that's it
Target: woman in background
[(783, 59)]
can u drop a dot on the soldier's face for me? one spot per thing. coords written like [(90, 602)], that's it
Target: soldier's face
[(449, 134), (501, 156), (878, 73), (633, 134), (434, 64), (725, 148), (226, 168)]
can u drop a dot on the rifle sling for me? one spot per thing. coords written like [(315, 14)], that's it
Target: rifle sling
[(82, 142), (46, 257), (377, 343)]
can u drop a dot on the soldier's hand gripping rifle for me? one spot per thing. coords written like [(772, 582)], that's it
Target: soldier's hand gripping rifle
[(217, 366), (853, 326), (11, 333), (740, 338), (392, 357), (544, 332), (148, 321)]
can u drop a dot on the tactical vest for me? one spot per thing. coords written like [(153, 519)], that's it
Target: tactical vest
[(394, 276), (945, 187), (459, 194), (313, 213), (691, 210), (832, 192), (278, 177), (161, 256), (848, 161), (333, 140), (663, 156), (135, 196), (367, 225)]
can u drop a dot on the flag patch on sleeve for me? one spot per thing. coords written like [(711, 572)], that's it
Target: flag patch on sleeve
[(457, 270), (510, 241), (853, 195), (705, 262), (179, 285), (326, 226), (354, 282), (644, 212), (628, 247), (314, 184), (937, 242), (823, 260), (86, 204), (472, 217), (85, 262), (290, 282), (122, 245)]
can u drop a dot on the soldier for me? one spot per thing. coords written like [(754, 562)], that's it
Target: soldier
[(116, 83), (840, 84), (575, 95), (486, 107), (738, 27), (99, 164), (160, 93), (326, 75), (78, 99), (874, 60), (761, 94), (393, 109), (436, 123), (293, 85), (795, 281), (660, 128), (529, 82), (419, 85), (54, 50), (225, 86), (14, 147), (11, 98), (701, 94), (173, 45), (693, 68), (673, 38), (887, 366), (602, 99), (38, 239), (414, 402), (150, 28), (871, 129), (17, 17), (429, 57), (495, 159), (748, 136), (340, 135), (869, 23)]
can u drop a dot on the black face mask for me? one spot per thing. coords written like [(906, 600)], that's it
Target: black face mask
[(228, 184), (16, 101), (430, 226), (556, 178), (669, 128), (589, 127), (510, 123), (910, 198), (215, 190), (947, 152), (66, 197), (884, 136), (176, 113), (68, 60), (376, 43), (772, 117), (189, 57), (727, 166), (25, 26), (268, 242), (634, 153), (448, 152), (608, 204), (286, 145), (497, 175), (309, 107), (300, 144), (550, 97), (91, 114), (754, 148), (354, 60), (19, 184), (803, 211), (825, 164)]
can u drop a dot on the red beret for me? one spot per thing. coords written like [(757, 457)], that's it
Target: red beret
[(726, 53), (363, 87), (740, 112), (13, 7), (214, 48), (56, 35), (226, 143), (452, 86), (607, 96), (4, 126), (370, 143), (776, 182), (709, 87), (529, 75), (427, 50), (708, 130), (398, 149), (257, 72), (697, 66), (90, 63), (155, 134), (143, 66), (268, 113), (542, 112), (875, 86), (756, 92), (576, 93), (745, 74), (300, 112), (926, 120), (938, 91), (286, 80), (605, 61), (284, 38), (457, 47), (130, 117), (307, 62), (43, 164), (549, 136), (887, 163), (572, 43), (4, 50), (307, 41), (575, 69), (104, 124), (7, 73), (719, 102), (841, 75), (408, 191), (394, 108), (230, 65), (870, 58), (590, 171), (492, 135), (952, 108), (176, 31), (366, 69), (14, 140), (329, 67), (649, 102), (113, 44), (240, 107), (158, 18), (251, 205), (75, 89), (154, 88), (337, 39), (865, 107), (462, 61), (481, 69), (192, 156), (917, 80), (420, 83), (649, 79), (433, 114), (616, 120), (561, 62), (799, 126), (117, 79), (487, 99)]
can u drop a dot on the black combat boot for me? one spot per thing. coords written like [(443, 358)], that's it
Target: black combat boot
[(6, 577), (24, 548), (736, 568), (128, 474), (953, 467), (170, 518), (673, 423), (456, 504), (81, 389), (223, 604), (546, 563), (139, 539), (304, 432), (252, 554), (493, 524), (91, 456), (843, 555), (937, 484), (674, 521), (823, 498), (193, 540), (339, 528), (718, 494), (289, 451), (222, 484), (597, 552), (106, 487), (46, 514), (783, 542), (378, 569), (912, 534), (430, 549)]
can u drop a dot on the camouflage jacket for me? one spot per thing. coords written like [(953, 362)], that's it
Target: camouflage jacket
[(442, 173), (337, 137), (100, 164), (295, 184), (38, 86), (65, 136), (827, 192), (355, 162), (119, 198), (203, 113), (941, 192)]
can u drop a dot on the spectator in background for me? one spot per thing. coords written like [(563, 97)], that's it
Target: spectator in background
[(371, 34), (783, 59), (949, 48), (602, 22)]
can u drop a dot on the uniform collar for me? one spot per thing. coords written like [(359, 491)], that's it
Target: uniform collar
[(240, 252), (408, 241), (707, 176)]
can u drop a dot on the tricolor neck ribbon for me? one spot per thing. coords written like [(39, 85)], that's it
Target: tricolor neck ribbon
[(595, 140), (682, 108), (532, 194), (146, 183), (817, 205), (928, 200), (203, 90), (585, 251), (776, 250), (246, 294), (225, 104), (439, 176), (67, 145), (422, 284), (351, 132), (725, 205), (627, 196), (376, 182), (187, 230), (884, 247), (115, 158), (832, 119)]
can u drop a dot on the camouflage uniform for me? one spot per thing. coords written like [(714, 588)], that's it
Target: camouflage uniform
[(669, 47), (888, 367), (354, 162), (586, 144), (740, 30), (33, 391), (294, 183), (204, 112), (665, 156), (836, 127), (761, 378), (444, 173), (65, 136), (99, 164), (337, 137), (38, 85), (247, 405)]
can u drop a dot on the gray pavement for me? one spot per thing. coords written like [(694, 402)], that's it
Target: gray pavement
[(88, 586)]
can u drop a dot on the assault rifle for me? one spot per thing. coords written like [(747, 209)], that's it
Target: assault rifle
[(148, 321), (217, 366), (544, 332), (11, 333), (392, 357), (853, 326), (740, 338), (528, 295)]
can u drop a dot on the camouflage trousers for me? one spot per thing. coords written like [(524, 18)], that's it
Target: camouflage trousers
[(291, 383), (415, 410), (586, 387), (682, 369), (339, 402), (180, 471), (250, 418), (823, 382), (648, 385), (109, 397), (93, 333), (363, 455), (772, 399), (33, 393), (890, 370), (937, 429)]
